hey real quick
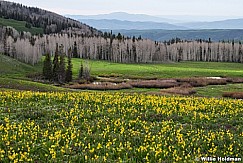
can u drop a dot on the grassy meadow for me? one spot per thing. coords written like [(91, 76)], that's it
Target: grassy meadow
[(14, 74), (13, 68), (162, 70), (20, 26)]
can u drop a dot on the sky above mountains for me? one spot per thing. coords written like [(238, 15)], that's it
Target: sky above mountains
[(152, 7)]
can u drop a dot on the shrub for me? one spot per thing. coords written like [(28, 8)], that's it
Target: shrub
[(35, 76), (154, 83), (84, 71)]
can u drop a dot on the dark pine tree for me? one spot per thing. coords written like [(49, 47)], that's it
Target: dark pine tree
[(119, 36), (81, 71), (240, 53), (134, 50), (69, 72), (56, 64), (75, 50), (28, 25), (180, 53), (47, 67), (62, 66)]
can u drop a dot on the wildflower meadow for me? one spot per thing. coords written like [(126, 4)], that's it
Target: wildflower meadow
[(117, 127)]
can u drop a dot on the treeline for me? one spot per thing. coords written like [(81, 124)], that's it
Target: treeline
[(50, 22), (117, 48)]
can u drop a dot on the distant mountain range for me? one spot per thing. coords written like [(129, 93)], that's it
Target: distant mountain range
[(122, 20), (224, 24), (162, 28), (114, 24), (124, 16)]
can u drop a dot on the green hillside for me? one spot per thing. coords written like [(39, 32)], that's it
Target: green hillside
[(10, 67), (13, 76), (20, 26)]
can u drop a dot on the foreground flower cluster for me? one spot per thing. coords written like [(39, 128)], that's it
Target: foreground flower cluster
[(116, 127)]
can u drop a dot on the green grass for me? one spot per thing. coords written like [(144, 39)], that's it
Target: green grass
[(18, 84), (163, 70), (218, 90), (20, 26), (13, 76), (16, 72), (12, 68)]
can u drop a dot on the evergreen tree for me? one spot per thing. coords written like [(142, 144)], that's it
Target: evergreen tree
[(240, 53), (56, 64), (134, 50), (75, 50), (180, 53), (81, 71), (119, 36), (62, 66), (69, 72), (27, 25), (47, 67)]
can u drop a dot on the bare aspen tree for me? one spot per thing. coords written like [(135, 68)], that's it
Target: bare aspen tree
[(117, 48)]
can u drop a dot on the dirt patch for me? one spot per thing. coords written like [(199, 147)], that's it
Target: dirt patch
[(181, 86), (185, 89), (235, 80), (204, 81), (112, 80), (235, 95), (101, 86)]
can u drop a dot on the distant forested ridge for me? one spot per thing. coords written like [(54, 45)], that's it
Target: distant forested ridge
[(92, 44), (163, 35), (49, 21)]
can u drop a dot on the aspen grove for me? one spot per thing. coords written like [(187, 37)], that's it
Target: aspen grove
[(110, 47)]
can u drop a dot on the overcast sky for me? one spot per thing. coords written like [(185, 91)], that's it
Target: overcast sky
[(151, 7)]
